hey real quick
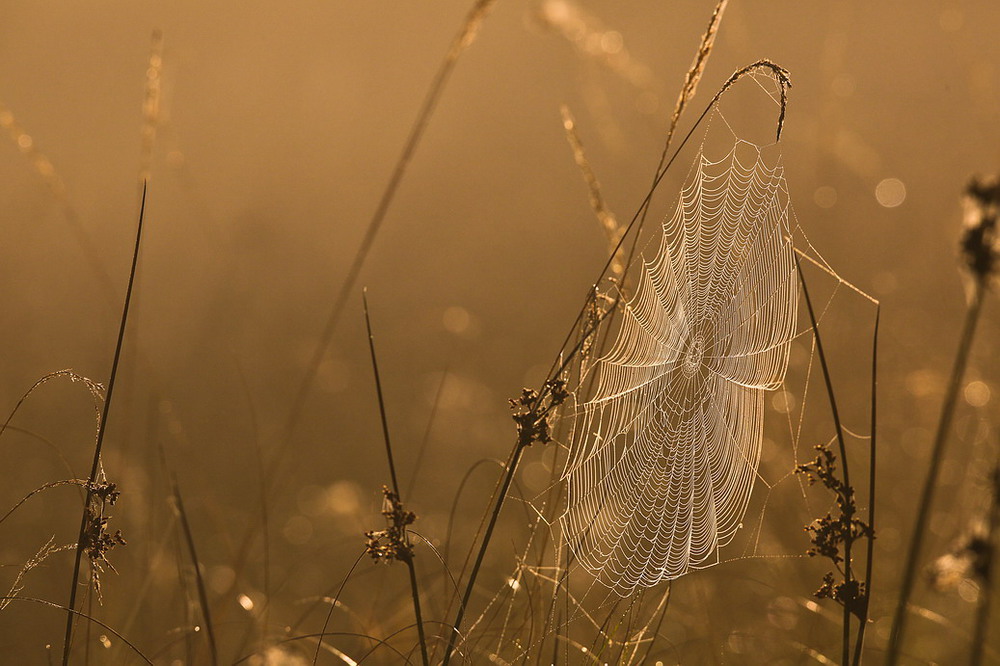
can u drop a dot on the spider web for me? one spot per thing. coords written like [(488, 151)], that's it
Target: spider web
[(665, 449), (664, 464)]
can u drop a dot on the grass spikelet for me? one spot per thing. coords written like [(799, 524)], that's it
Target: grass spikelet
[(595, 41), (612, 228), (151, 107), (43, 166), (47, 549)]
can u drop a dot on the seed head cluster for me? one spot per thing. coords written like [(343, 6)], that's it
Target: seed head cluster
[(830, 533), (392, 543)]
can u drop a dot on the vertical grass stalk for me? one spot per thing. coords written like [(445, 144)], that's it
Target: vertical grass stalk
[(870, 556), (985, 601), (937, 456), (456, 626), (102, 429), (847, 503), (198, 578), (408, 558)]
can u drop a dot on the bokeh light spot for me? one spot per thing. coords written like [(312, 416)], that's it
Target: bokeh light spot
[(783, 402), (890, 192), (612, 42), (456, 320), (343, 498), (977, 393), (825, 196)]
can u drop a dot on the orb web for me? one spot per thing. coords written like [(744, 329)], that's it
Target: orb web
[(666, 438)]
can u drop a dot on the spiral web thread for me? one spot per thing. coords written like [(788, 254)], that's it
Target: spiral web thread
[(664, 448)]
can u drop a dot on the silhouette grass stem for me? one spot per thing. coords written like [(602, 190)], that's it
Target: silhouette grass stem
[(847, 503), (985, 601), (937, 456), (870, 556), (101, 430), (199, 579), (408, 559)]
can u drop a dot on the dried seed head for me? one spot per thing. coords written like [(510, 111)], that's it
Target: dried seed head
[(392, 543), (980, 245)]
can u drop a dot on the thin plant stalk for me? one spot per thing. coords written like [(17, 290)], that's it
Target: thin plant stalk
[(848, 540), (462, 40), (691, 80), (466, 35), (937, 456), (408, 560), (101, 430), (870, 556), (508, 477), (333, 605), (986, 583), (199, 580)]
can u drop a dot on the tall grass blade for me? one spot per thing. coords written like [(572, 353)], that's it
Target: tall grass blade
[(937, 456), (870, 556), (199, 579), (408, 560), (847, 504), (102, 429)]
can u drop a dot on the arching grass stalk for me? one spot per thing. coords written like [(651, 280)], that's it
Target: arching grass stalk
[(83, 538), (398, 546), (979, 252)]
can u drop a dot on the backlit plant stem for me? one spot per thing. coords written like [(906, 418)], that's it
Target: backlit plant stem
[(847, 503), (937, 455), (95, 465)]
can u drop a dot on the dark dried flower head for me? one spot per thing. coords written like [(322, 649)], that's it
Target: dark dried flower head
[(105, 491), (851, 594), (968, 559), (531, 411), (392, 543), (830, 534), (98, 541), (979, 241)]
